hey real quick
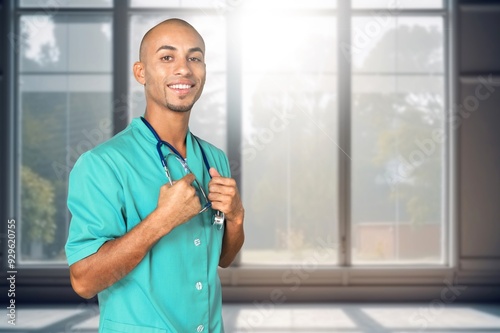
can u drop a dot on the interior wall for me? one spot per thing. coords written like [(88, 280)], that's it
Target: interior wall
[(478, 123)]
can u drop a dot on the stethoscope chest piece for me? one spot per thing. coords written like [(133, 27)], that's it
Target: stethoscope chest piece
[(219, 219)]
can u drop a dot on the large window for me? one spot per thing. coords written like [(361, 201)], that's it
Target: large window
[(333, 117), (398, 143), (64, 109), (289, 135)]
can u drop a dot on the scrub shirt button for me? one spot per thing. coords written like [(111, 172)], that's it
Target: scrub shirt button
[(200, 328), (199, 286), (197, 242)]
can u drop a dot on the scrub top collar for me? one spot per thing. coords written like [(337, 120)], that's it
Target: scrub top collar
[(193, 153)]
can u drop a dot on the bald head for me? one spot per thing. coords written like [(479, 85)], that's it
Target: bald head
[(172, 67), (167, 26)]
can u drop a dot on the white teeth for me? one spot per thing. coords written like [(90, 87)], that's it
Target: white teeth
[(180, 86)]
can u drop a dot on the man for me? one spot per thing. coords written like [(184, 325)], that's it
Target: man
[(142, 236)]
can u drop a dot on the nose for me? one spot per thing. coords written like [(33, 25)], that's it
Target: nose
[(183, 67)]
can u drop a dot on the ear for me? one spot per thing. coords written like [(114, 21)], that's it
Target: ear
[(139, 71)]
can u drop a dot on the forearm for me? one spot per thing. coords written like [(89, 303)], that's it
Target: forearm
[(234, 237), (115, 259), (177, 204)]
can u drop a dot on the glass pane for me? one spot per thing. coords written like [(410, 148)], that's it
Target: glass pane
[(65, 43), (208, 119), (289, 140), (397, 4), (64, 111), (398, 146), (397, 44), (51, 6)]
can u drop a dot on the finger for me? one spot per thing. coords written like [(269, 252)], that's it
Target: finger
[(217, 197), (213, 172), (220, 206), (189, 178), (222, 199), (223, 181), (229, 191)]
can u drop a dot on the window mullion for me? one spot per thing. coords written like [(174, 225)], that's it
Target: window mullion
[(120, 65), (234, 102), (451, 239), (344, 131), (7, 167)]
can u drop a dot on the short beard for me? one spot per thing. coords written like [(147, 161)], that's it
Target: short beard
[(179, 108)]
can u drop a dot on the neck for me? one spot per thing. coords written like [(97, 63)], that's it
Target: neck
[(171, 127)]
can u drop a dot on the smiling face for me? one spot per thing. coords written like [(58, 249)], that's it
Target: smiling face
[(172, 66)]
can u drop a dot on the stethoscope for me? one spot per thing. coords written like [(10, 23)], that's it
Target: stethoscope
[(219, 216)]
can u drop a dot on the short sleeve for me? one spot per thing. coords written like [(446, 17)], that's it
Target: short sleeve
[(95, 200)]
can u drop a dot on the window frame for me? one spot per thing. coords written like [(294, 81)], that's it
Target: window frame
[(51, 282)]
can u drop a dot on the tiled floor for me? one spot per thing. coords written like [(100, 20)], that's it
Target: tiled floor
[(310, 318)]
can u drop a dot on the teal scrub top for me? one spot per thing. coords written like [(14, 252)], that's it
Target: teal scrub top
[(113, 187)]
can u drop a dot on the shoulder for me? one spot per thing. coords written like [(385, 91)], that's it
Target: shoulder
[(110, 152), (121, 144)]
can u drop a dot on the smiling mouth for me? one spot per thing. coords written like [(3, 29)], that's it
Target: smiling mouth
[(180, 86)]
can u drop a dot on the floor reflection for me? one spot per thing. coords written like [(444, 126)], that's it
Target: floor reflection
[(293, 318)]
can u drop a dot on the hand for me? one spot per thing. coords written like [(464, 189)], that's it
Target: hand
[(224, 195), (178, 203)]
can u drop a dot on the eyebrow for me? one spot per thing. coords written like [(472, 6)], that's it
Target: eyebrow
[(172, 48)]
